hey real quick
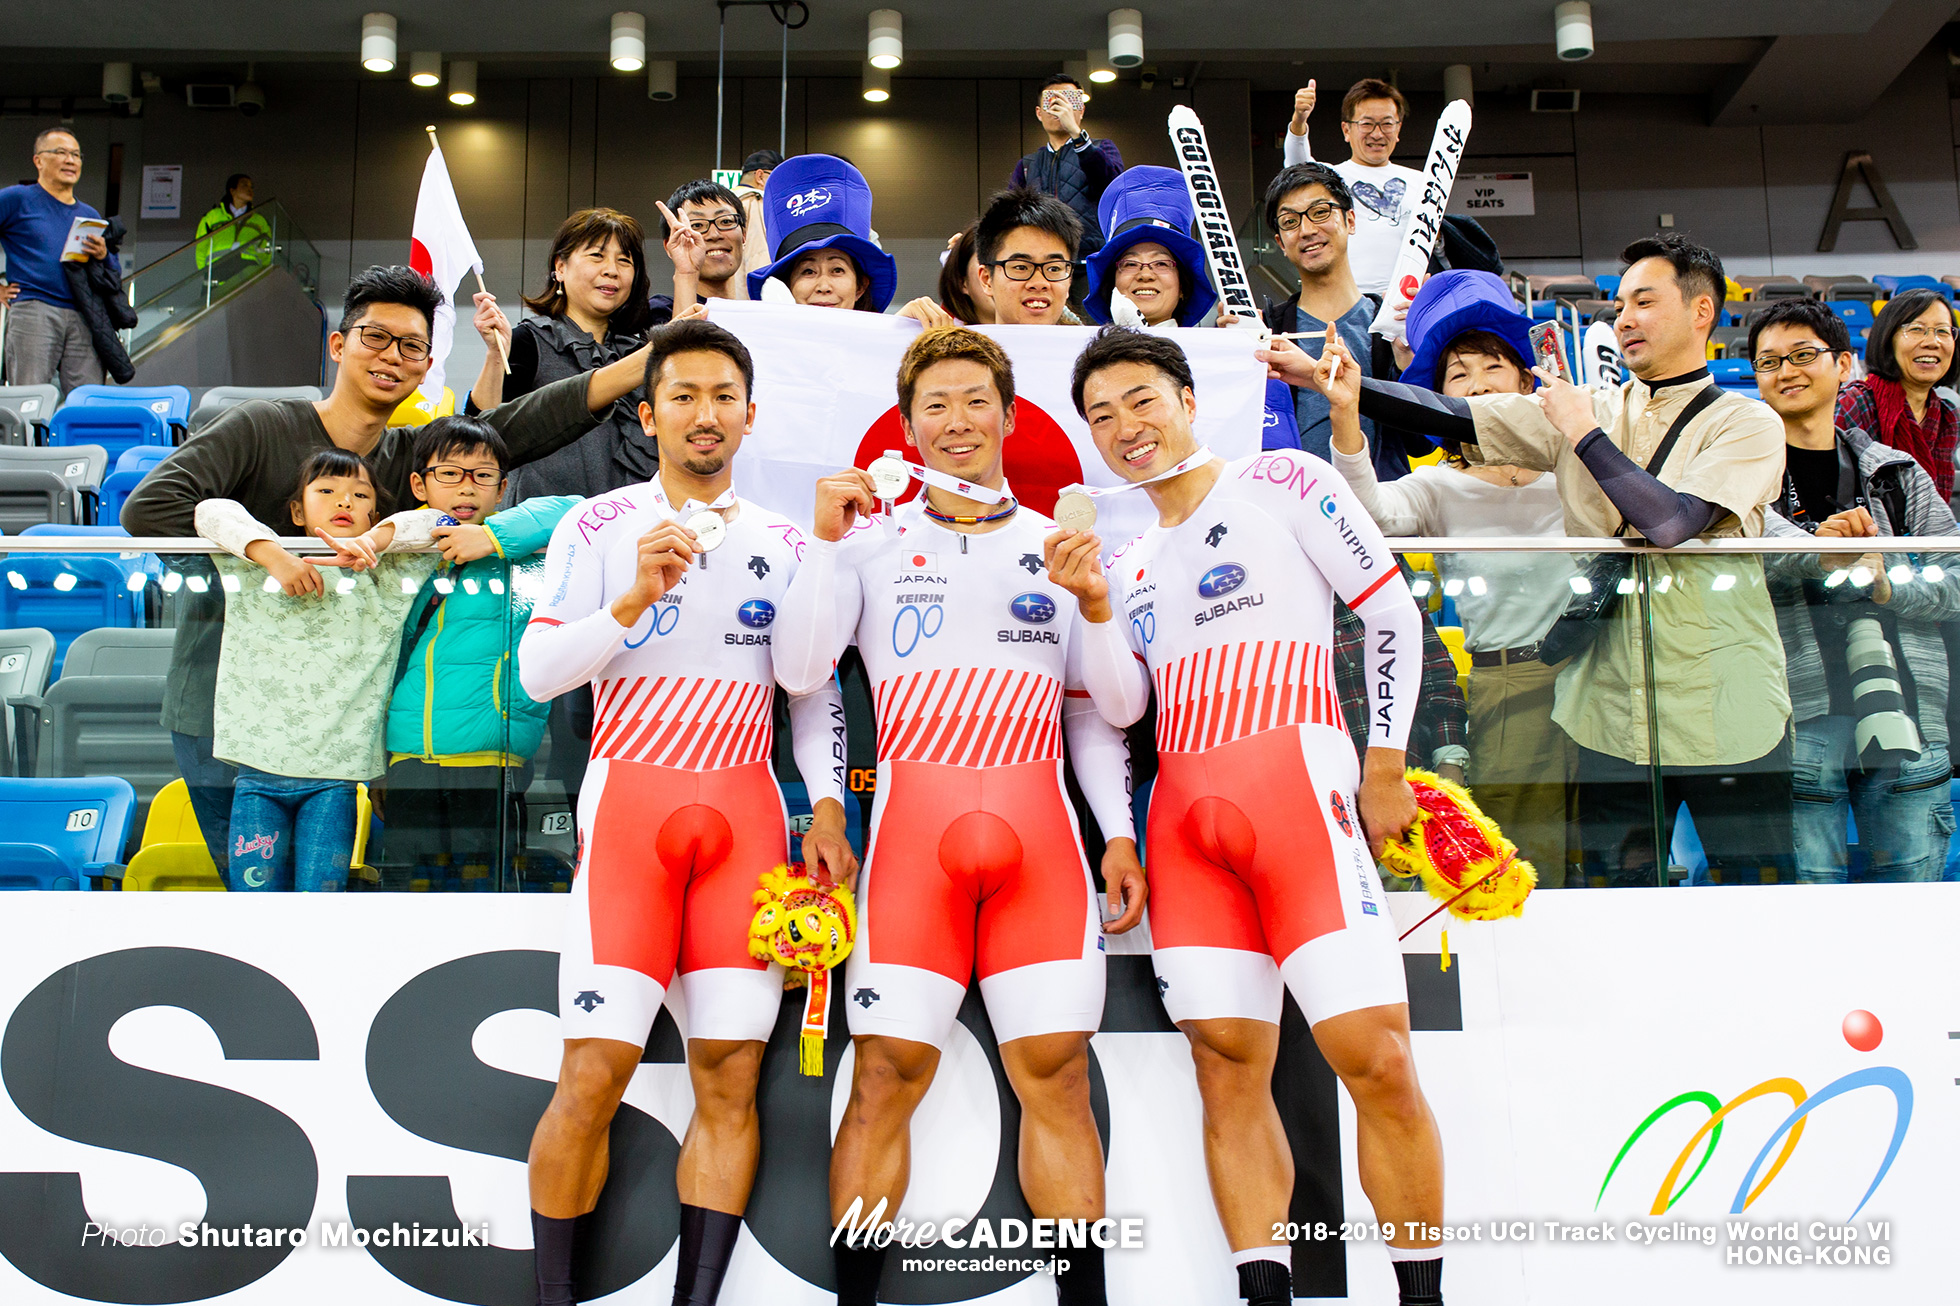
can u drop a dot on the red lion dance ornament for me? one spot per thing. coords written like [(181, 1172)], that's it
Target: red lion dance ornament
[(1461, 855)]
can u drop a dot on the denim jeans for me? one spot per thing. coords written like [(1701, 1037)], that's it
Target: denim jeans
[(1905, 817), (209, 781), (290, 833)]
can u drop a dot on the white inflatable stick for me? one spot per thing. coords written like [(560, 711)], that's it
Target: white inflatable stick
[(1426, 223), (1228, 270)]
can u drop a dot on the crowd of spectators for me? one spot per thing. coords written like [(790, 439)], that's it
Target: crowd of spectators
[(1737, 683)]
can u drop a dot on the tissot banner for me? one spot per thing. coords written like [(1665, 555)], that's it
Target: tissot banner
[(1743, 1095)]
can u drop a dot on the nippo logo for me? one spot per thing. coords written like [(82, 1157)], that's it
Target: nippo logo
[(1038, 456), (1222, 579), (1864, 1033), (806, 201)]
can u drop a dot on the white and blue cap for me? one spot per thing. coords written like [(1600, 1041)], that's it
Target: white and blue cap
[(1149, 203), (818, 201)]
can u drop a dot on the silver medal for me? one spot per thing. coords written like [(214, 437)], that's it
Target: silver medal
[(1075, 511), (888, 475), (709, 529)]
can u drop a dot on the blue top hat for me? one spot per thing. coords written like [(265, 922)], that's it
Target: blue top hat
[(1451, 303), (1146, 203), (817, 201)]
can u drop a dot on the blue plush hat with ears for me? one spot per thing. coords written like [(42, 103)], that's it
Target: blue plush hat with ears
[(1451, 303), (1146, 203), (817, 201)]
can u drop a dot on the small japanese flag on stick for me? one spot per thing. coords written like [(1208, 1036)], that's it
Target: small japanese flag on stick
[(441, 250)]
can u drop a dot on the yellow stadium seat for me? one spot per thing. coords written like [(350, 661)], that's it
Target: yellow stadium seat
[(416, 410), (1452, 637), (174, 855), (1737, 292)]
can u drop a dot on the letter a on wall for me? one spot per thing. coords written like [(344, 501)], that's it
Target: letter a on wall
[(1859, 163)]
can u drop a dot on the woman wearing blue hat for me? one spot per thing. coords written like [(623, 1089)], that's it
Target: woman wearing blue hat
[(1469, 339), (1150, 258), (817, 215)]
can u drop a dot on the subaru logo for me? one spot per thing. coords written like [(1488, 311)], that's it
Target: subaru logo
[(1328, 507), (1035, 609), (756, 613), (1222, 579), (814, 198)]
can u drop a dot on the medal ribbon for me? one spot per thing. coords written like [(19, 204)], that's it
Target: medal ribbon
[(951, 484), (1198, 459)]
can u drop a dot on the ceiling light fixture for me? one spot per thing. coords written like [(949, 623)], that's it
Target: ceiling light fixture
[(1573, 30), (661, 77), (1125, 38), (462, 82), (1101, 71), (887, 44), (629, 42), (118, 80), (378, 42), (425, 68), (877, 84)]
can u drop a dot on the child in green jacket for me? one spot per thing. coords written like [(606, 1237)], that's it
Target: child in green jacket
[(461, 730)]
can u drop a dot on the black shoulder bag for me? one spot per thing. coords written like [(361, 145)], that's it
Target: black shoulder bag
[(1586, 615)]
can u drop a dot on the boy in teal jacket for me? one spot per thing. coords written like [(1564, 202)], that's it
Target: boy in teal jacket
[(461, 729)]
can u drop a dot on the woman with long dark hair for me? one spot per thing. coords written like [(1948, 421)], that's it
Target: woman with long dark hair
[(1910, 351), (593, 312)]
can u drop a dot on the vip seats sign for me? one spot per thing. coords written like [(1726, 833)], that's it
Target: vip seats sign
[(368, 1071)]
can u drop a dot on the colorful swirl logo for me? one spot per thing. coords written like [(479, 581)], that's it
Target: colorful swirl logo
[(1863, 1032)]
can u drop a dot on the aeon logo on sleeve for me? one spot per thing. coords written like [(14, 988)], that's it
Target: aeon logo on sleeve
[(1864, 1033)]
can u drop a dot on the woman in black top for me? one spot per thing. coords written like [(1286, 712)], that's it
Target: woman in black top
[(594, 311)]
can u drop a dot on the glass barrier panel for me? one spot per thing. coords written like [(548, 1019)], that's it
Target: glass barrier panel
[(169, 292)]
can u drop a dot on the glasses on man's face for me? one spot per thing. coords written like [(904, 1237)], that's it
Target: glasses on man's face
[(1161, 267), (702, 226), (76, 155), (1023, 269), (1919, 334), (1372, 126), (413, 348), (1317, 213), (1803, 357), (448, 474)]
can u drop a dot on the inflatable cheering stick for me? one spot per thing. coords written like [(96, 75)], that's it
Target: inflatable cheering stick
[(809, 929)]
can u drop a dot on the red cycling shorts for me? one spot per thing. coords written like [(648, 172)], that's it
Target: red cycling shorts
[(974, 869), (1260, 874), (669, 862)]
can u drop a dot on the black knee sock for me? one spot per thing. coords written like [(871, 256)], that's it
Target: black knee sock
[(707, 1243), (858, 1270), (1081, 1284), (1421, 1282), (1266, 1283), (553, 1239)]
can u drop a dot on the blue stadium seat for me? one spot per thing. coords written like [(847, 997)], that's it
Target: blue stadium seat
[(1543, 310), (1857, 314), (1608, 286), (63, 831), (68, 593), (1733, 374), (1896, 286), (170, 402), (115, 491), (115, 427), (145, 565), (141, 458)]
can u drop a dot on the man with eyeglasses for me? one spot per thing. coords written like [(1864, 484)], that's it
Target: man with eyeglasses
[(705, 225), (1372, 114), (1841, 483), (1071, 166), (1028, 243), (252, 454), (47, 337)]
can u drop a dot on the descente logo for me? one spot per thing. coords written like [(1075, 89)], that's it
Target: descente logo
[(814, 198)]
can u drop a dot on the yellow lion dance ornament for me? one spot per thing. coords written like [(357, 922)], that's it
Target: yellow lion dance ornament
[(808, 929), (1461, 855)]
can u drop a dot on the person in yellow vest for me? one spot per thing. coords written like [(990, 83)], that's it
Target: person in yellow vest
[(227, 230)]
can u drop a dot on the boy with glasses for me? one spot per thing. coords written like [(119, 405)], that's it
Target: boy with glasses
[(1841, 483), (1372, 114), (1028, 243), (253, 453), (47, 338)]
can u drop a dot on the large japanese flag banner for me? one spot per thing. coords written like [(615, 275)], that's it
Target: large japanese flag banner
[(826, 397), (441, 250)]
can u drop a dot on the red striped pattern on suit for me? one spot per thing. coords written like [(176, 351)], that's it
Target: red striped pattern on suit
[(1229, 691), (970, 716), (687, 722)]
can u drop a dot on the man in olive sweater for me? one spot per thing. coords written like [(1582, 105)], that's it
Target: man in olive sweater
[(253, 453)]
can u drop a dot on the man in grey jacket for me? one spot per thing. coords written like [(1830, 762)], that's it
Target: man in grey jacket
[(1844, 485)]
